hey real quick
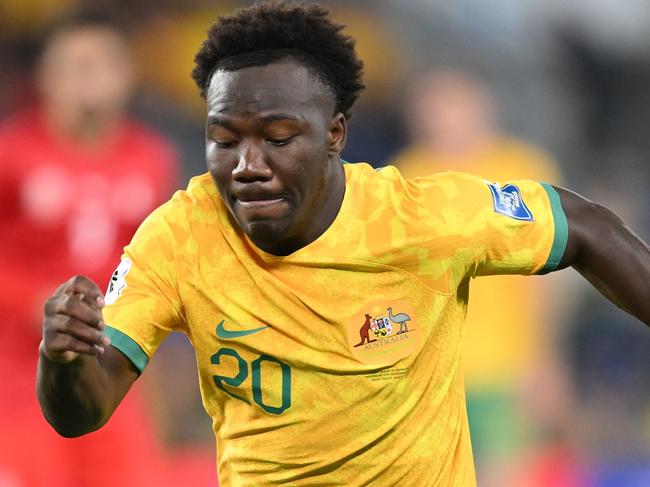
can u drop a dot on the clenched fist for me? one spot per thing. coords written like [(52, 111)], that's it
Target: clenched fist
[(73, 322)]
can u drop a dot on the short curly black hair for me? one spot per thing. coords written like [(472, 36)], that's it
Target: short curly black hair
[(271, 31)]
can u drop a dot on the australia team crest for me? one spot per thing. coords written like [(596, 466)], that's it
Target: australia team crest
[(384, 332)]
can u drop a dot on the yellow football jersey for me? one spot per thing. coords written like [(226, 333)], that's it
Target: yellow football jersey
[(337, 364)]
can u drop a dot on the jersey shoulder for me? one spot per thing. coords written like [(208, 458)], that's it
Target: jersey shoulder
[(198, 204), (386, 194), (437, 195)]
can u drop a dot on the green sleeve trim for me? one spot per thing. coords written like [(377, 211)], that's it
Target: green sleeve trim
[(128, 347), (561, 231)]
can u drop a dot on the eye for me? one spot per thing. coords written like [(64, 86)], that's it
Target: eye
[(279, 142), (221, 137), (224, 144)]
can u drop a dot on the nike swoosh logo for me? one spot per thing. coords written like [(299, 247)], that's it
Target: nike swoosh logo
[(230, 334)]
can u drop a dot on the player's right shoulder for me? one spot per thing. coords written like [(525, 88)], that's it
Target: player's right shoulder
[(201, 188), (197, 206), (187, 222), (200, 195)]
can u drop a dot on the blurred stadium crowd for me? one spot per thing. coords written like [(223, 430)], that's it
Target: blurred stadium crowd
[(558, 380)]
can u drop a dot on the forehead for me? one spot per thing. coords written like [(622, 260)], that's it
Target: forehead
[(99, 40), (85, 49), (281, 86)]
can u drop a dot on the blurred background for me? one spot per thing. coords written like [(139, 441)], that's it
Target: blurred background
[(98, 125)]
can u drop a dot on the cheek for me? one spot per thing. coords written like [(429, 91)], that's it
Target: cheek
[(210, 154), (218, 170), (217, 161), (313, 178)]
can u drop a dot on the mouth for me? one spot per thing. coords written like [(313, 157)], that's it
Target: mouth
[(258, 203), (261, 207)]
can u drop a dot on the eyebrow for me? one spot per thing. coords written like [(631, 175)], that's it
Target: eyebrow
[(221, 121), (273, 117)]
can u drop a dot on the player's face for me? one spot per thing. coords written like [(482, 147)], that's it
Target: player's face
[(272, 145), (85, 74)]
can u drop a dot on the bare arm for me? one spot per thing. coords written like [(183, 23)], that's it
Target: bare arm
[(81, 378), (608, 254)]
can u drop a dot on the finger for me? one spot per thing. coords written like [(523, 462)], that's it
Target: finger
[(83, 285), (64, 324), (61, 289), (78, 308), (95, 303), (62, 343)]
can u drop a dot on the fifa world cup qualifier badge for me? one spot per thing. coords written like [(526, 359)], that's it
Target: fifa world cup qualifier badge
[(508, 201), (384, 332)]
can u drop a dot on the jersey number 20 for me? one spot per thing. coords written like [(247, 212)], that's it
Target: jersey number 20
[(256, 369)]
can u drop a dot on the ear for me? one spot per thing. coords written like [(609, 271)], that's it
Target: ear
[(337, 135)]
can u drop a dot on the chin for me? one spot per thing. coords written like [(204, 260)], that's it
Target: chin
[(265, 231)]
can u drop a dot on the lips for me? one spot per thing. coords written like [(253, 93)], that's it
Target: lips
[(256, 196), (260, 204)]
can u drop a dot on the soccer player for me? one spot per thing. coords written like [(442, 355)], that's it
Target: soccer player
[(325, 301), (77, 177)]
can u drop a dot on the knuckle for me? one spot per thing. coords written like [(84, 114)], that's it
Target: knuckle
[(61, 325), (61, 289), (76, 280), (63, 304), (49, 349), (79, 281), (52, 342), (48, 338), (50, 328), (49, 305), (50, 324)]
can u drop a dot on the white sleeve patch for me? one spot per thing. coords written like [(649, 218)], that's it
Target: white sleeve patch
[(118, 282)]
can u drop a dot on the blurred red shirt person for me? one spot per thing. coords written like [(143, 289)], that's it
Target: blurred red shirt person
[(76, 179)]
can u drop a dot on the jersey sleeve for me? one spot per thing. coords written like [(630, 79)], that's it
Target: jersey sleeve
[(516, 227), (142, 301)]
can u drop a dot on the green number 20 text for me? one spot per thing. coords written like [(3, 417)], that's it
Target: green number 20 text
[(256, 372)]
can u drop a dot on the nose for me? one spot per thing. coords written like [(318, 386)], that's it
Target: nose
[(252, 164)]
